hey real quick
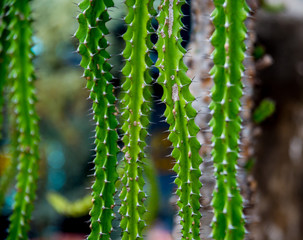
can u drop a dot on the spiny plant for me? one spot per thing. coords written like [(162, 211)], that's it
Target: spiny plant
[(135, 112), (229, 52), (16, 36), (4, 44), (180, 115), (91, 35), (228, 41), (4, 62)]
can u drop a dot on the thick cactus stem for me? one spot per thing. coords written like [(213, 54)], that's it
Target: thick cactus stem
[(180, 115), (92, 44), (228, 41), (135, 104), (25, 118)]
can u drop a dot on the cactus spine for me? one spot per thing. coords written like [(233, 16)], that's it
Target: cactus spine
[(92, 44), (229, 48), (135, 104), (25, 118), (179, 115)]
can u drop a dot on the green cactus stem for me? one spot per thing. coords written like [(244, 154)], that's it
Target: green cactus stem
[(135, 103), (229, 51), (92, 44), (23, 97), (4, 58), (7, 177), (180, 115)]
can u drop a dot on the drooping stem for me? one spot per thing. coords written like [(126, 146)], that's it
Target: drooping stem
[(228, 41), (23, 97), (92, 47), (9, 173), (4, 58), (180, 115), (135, 103)]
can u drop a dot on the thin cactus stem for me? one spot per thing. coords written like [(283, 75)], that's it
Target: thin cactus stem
[(92, 44), (180, 115), (136, 108), (25, 118), (228, 41), (4, 58), (9, 174)]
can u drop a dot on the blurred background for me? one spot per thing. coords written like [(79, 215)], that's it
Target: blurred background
[(271, 169)]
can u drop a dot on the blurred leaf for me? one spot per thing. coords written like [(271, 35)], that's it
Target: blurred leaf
[(258, 52), (65, 207), (249, 164), (264, 110), (274, 8)]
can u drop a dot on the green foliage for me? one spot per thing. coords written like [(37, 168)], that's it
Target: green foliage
[(228, 41), (264, 110), (135, 99), (180, 116), (92, 43)]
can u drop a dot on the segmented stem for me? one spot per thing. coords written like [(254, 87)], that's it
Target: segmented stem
[(26, 121), (180, 115), (135, 103), (228, 41), (92, 44)]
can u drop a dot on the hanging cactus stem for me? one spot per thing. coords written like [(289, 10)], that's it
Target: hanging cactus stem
[(92, 47), (180, 116), (136, 107), (228, 41), (25, 119)]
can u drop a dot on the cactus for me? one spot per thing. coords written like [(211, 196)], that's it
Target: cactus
[(179, 115), (91, 34), (4, 59), (228, 41), (8, 174), (135, 109), (21, 79)]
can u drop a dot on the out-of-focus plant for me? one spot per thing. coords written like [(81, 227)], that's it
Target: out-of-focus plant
[(82, 206), (264, 110), (16, 42)]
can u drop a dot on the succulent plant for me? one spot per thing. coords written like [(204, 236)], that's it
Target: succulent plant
[(25, 120), (180, 115), (229, 52), (92, 47), (135, 110), (135, 103)]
